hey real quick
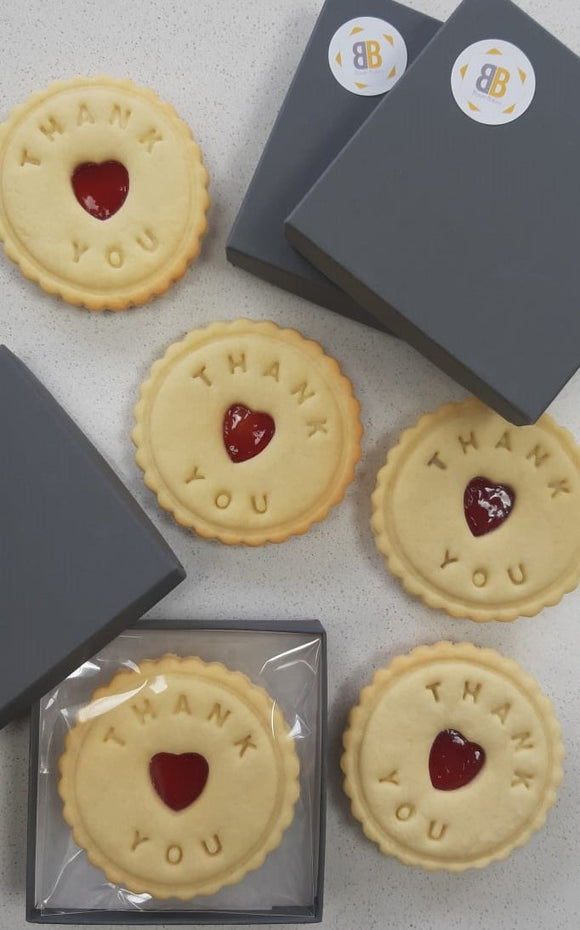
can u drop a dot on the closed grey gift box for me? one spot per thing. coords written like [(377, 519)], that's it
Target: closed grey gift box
[(464, 237), (317, 118), (79, 560)]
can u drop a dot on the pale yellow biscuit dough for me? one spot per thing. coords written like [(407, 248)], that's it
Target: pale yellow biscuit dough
[(144, 247), (295, 480), (179, 706), (528, 562), (492, 702)]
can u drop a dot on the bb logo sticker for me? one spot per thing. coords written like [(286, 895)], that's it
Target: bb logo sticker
[(367, 56), (493, 82)]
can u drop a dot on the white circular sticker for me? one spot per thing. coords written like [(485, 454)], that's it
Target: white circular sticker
[(367, 56), (493, 82)]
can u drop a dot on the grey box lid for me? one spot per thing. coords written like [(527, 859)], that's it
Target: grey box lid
[(79, 560), (317, 118), (464, 238)]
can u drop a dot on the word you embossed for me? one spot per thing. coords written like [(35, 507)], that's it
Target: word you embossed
[(508, 442), (522, 771), (517, 573), (174, 852), (50, 129), (116, 254)]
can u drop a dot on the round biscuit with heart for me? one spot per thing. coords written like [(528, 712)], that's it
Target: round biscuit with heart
[(452, 757), (179, 777), (478, 517), (248, 433), (103, 192)]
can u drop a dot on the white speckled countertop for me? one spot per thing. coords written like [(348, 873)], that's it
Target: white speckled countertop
[(93, 363)]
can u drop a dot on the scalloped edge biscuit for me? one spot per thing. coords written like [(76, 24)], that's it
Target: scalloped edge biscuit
[(343, 391), (164, 277), (358, 720), (395, 561), (261, 703)]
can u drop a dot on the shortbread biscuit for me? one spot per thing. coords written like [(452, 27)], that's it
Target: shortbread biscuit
[(479, 517), (103, 193), (179, 778), (247, 433), (452, 757)]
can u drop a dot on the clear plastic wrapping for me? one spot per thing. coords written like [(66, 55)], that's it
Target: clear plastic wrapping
[(289, 666)]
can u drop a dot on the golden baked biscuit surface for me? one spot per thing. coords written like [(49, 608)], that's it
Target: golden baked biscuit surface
[(528, 561), (269, 372), (148, 241), (452, 693), (127, 764)]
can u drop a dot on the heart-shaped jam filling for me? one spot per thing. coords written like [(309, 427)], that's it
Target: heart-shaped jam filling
[(101, 189), (178, 780), (487, 504), (454, 761), (246, 432)]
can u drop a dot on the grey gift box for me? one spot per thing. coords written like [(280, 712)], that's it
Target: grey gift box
[(317, 118), (463, 237), (79, 560)]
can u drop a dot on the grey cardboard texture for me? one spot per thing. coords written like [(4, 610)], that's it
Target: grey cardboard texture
[(461, 237), (79, 560), (317, 119)]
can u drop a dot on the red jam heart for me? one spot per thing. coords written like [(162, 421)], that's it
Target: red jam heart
[(487, 504), (178, 780), (246, 433), (101, 189), (454, 761)]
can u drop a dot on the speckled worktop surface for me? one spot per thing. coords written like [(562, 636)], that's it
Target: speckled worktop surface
[(93, 363)]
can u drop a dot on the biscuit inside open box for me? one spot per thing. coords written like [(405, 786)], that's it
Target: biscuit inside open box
[(166, 732)]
